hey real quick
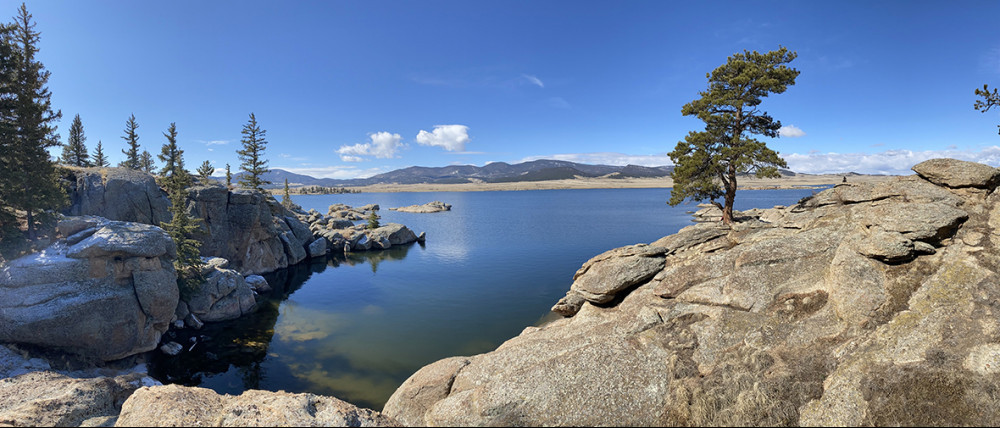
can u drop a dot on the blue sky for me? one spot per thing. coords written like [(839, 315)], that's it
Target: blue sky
[(353, 88)]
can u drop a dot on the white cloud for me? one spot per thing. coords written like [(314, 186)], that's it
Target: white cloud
[(452, 138), (338, 172), (214, 142), (533, 80), (892, 162), (791, 131), (607, 158), (382, 145)]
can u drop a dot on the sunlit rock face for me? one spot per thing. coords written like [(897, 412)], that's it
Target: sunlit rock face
[(866, 304), (251, 230), (107, 291)]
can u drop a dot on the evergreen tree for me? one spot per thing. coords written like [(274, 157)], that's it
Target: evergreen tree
[(286, 199), (252, 156), (8, 129), (706, 159), (74, 151), (229, 178), (182, 229), (132, 139), (205, 172), (373, 219), (33, 185), (990, 99), (173, 157), (146, 162), (100, 160)]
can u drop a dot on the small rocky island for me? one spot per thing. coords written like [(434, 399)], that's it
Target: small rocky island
[(430, 207), (865, 304)]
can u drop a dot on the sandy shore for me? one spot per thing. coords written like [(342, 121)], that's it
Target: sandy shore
[(799, 181)]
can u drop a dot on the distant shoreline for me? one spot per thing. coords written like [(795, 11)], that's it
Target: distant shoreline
[(800, 181)]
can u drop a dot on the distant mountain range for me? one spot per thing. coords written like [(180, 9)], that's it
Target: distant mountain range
[(497, 172)]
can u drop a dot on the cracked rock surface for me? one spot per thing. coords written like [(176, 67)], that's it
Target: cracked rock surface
[(867, 304)]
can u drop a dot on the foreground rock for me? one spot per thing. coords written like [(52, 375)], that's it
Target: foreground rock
[(430, 207), (173, 405), (867, 304), (122, 194), (35, 394), (106, 291), (225, 295)]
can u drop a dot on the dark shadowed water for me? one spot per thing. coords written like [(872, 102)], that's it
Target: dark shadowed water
[(357, 326)]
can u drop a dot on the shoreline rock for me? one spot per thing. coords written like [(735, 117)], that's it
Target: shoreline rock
[(866, 304)]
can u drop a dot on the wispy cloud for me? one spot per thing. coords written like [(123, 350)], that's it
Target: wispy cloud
[(213, 142), (607, 158), (383, 145), (557, 102), (452, 138), (892, 162), (791, 131), (533, 80)]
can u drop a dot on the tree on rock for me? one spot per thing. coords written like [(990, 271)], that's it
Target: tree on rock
[(229, 178), (252, 156), (146, 162), (182, 229), (286, 198), (100, 160), (30, 181), (205, 172), (173, 159), (75, 152), (707, 162), (990, 99), (131, 138), (373, 219)]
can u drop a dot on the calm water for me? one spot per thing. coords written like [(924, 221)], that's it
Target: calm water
[(356, 327)]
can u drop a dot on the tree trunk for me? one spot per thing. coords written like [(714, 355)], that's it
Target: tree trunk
[(730, 198), (31, 225)]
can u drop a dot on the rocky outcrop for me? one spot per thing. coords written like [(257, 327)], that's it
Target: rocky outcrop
[(106, 291), (253, 231), (173, 405), (430, 207), (225, 295), (867, 304), (336, 231), (120, 194), (955, 173)]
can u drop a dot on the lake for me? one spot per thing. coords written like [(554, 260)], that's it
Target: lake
[(356, 326)]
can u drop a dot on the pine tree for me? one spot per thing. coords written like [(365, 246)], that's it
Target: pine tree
[(990, 100), (173, 157), (229, 178), (286, 199), (33, 184), (100, 160), (182, 229), (132, 139), (252, 156), (373, 219), (146, 163), (75, 152), (205, 172), (8, 129), (729, 109)]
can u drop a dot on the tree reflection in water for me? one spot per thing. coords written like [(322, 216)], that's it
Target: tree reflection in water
[(240, 346)]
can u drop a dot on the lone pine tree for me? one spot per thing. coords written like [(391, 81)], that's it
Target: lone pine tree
[(74, 151), (131, 137), (252, 156), (707, 162)]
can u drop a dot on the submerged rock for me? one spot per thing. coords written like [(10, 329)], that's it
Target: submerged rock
[(867, 304)]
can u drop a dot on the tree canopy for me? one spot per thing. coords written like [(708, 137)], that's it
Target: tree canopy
[(131, 137), (252, 156), (707, 162), (28, 181), (100, 159), (205, 172), (990, 100), (74, 151)]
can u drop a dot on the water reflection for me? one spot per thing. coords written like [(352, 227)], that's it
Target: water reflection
[(294, 344)]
